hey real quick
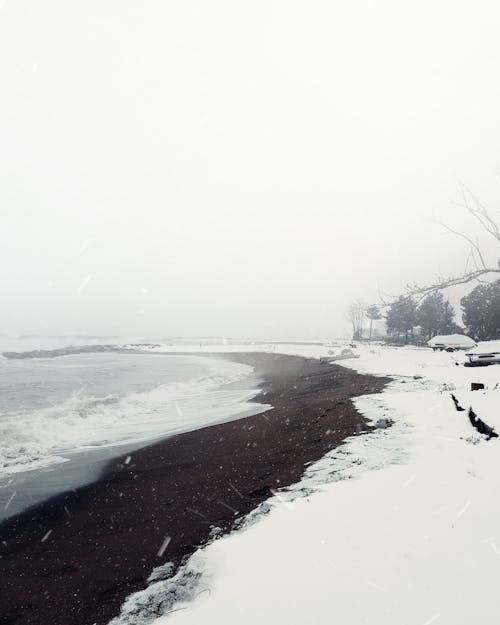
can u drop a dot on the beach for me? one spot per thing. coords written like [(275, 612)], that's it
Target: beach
[(74, 559), (397, 525)]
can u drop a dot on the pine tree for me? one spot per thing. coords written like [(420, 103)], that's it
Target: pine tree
[(373, 314), (435, 315), (448, 325), (401, 318), (481, 311), (430, 314)]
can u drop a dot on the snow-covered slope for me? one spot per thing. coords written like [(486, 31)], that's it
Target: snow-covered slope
[(415, 542)]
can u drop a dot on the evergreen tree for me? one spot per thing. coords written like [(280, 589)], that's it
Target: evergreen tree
[(401, 318), (436, 316), (481, 311), (448, 325), (373, 314), (430, 314)]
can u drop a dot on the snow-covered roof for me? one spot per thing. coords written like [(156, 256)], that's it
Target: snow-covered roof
[(454, 340), (487, 347)]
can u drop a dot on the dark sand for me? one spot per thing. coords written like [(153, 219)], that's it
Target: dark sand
[(104, 537)]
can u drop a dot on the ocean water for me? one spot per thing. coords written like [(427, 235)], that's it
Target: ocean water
[(52, 408)]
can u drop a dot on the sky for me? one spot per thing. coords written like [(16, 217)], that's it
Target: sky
[(239, 169)]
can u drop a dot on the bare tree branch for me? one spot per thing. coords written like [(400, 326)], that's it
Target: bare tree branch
[(476, 266), (480, 213), (474, 245), (419, 292)]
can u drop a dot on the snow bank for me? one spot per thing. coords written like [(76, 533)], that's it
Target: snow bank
[(415, 542)]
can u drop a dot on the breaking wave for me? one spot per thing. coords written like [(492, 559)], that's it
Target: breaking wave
[(31, 439)]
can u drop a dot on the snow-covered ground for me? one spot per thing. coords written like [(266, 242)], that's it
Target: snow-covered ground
[(412, 538)]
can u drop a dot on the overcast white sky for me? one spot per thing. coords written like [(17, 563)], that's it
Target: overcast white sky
[(236, 168)]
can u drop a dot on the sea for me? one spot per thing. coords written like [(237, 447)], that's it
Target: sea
[(63, 418)]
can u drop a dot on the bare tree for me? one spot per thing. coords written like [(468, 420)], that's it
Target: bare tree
[(356, 315), (476, 266)]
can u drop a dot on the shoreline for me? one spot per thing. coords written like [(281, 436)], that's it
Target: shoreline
[(73, 468), (98, 544), (85, 466)]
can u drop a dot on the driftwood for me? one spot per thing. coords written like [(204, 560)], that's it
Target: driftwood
[(476, 422)]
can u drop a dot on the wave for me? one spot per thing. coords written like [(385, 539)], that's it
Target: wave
[(30, 440)]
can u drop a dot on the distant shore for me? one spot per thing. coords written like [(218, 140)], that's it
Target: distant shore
[(74, 559)]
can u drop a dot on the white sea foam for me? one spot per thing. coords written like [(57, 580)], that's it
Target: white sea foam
[(36, 438)]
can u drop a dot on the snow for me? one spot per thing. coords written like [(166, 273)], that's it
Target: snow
[(486, 347), (454, 340), (398, 526)]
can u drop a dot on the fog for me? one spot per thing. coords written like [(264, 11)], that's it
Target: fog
[(231, 168)]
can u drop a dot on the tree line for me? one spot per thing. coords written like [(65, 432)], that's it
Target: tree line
[(409, 321)]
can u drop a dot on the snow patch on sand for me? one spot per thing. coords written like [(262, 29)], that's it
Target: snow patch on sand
[(166, 596)]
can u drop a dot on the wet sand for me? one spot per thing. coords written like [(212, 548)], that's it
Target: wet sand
[(73, 560)]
